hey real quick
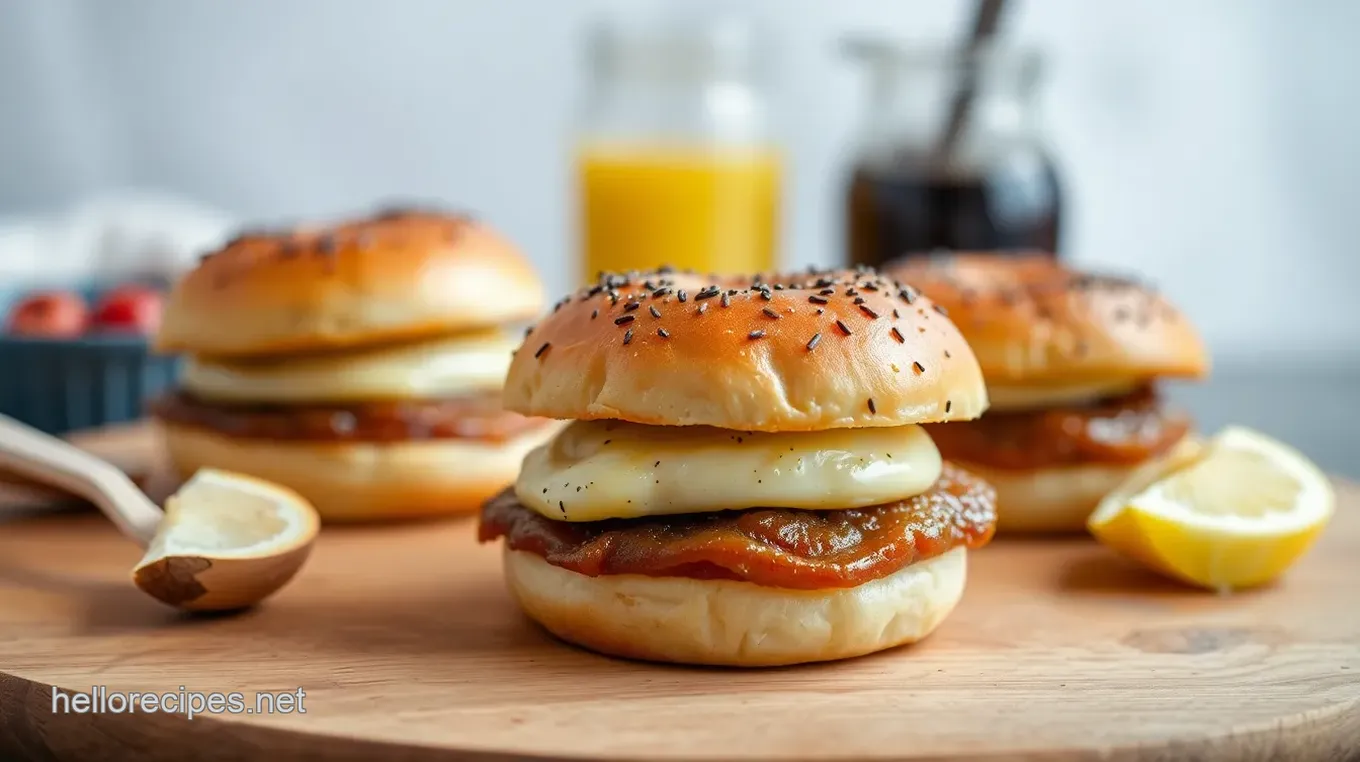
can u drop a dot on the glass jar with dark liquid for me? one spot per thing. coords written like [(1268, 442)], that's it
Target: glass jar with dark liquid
[(949, 156)]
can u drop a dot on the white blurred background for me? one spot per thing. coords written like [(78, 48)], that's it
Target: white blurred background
[(1209, 144)]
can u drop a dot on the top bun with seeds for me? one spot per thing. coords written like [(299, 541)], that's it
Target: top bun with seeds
[(401, 274), (805, 352), (1033, 321)]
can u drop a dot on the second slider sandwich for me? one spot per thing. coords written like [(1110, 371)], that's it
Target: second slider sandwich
[(359, 364), (745, 481), (1070, 359)]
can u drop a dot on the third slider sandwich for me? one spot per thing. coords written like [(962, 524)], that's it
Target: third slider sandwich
[(358, 363), (746, 480), (1071, 361)]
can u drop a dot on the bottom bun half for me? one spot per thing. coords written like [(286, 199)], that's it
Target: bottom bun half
[(364, 481), (733, 623), (1049, 500)]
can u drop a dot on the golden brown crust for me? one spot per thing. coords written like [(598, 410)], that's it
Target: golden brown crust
[(396, 275), (1032, 321), (816, 351)]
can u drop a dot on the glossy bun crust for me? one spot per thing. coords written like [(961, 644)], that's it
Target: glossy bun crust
[(1032, 321), (816, 351), (396, 275)]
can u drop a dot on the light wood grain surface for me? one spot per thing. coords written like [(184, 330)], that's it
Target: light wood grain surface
[(408, 648)]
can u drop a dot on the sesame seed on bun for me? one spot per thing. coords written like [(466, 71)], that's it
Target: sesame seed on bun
[(811, 351)]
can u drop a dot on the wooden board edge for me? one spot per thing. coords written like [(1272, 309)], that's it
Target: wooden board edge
[(28, 726)]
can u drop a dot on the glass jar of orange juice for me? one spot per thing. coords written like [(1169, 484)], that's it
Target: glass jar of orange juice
[(674, 161)]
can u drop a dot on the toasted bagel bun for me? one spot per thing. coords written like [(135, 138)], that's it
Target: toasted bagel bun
[(682, 349), (398, 275), (732, 623), (1033, 322), (1057, 499), (364, 481)]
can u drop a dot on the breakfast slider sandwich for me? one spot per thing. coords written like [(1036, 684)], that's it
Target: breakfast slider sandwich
[(1071, 361), (359, 364), (745, 481)]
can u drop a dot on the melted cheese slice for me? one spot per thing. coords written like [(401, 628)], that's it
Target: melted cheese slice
[(596, 470), (445, 367), (1040, 397)]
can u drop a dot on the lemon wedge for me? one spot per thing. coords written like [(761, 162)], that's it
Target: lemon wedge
[(1233, 512), (227, 541)]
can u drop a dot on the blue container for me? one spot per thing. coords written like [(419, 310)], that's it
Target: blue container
[(60, 385)]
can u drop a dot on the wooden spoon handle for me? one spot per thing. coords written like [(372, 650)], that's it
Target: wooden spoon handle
[(38, 456)]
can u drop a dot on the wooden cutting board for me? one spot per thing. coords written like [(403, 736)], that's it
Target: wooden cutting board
[(406, 647)]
